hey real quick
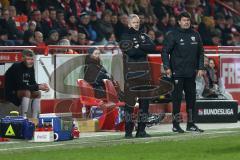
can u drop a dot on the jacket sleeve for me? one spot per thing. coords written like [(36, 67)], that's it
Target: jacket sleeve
[(137, 48), (147, 45), (103, 74), (168, 45), (131, 48), (33, 86), (200, 54)]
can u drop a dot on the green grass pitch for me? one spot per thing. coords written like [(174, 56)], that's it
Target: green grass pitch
[(210, 145)]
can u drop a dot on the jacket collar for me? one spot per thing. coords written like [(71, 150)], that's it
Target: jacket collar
[(184, 30)]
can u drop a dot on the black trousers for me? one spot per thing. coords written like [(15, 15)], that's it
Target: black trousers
[(141, 119), (187, 85)]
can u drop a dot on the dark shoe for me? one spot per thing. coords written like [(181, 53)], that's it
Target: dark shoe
[(128, 136), (154, 119), (193, 128), (142, 134), (177, 128)]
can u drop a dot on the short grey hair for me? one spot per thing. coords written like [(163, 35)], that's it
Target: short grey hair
[(132, 16)]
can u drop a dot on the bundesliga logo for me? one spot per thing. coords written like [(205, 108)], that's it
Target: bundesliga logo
[(207, 112), (200, 112)]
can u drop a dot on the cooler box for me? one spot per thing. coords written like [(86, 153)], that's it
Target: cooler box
[(216, 111), (16, 127), (62, 124)]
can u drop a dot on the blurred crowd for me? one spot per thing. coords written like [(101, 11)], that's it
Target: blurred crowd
[(100, 22)]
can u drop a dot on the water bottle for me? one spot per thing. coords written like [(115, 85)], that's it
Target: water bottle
[(84, 112)]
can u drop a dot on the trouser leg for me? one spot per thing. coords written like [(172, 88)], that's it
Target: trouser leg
[(129, 125), (176, 99), (143, 114), (190, 97)]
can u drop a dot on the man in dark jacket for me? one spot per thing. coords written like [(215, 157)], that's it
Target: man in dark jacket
[(21, 85), (135, 46), (186, 60)]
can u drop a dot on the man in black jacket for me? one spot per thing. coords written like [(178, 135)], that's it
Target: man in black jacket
[(21, 85), (135, 46), (186, 60)]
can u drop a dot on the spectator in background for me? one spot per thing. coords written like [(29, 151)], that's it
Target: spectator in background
[(212, 73), (162, 8), (112, 6), (46, 22), (163, 23), (22, 6), (53, 37), (172, 23), (86, 28), (198, 14), (54, 23), (105, 27), (151, 35), (25, 27), (32, 26), (178, 7), (77, 7), (9, 25), (114, 20), (128, 7), (231, 27), (111, 40), (38, 38), (72, 22), (143, 22), (61, 20), (145, 7), (82, 39), (65, 42), (207, 7), (216, 38), (205, 30), (121, 27), (37, 17), (28, 39), (18, 18), (220, 24), (21, 85), (225, 12), (236, 19), (159, 38), (4, 39), (190, 6), (73, 37), (236, 40), (45, 14)]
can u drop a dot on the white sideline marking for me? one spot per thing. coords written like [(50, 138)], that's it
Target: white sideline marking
[(8, 142), (53, 145), (119, 140)]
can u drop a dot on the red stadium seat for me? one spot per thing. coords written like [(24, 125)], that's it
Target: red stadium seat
[(87, 96), (111, 93), (108, 120)]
